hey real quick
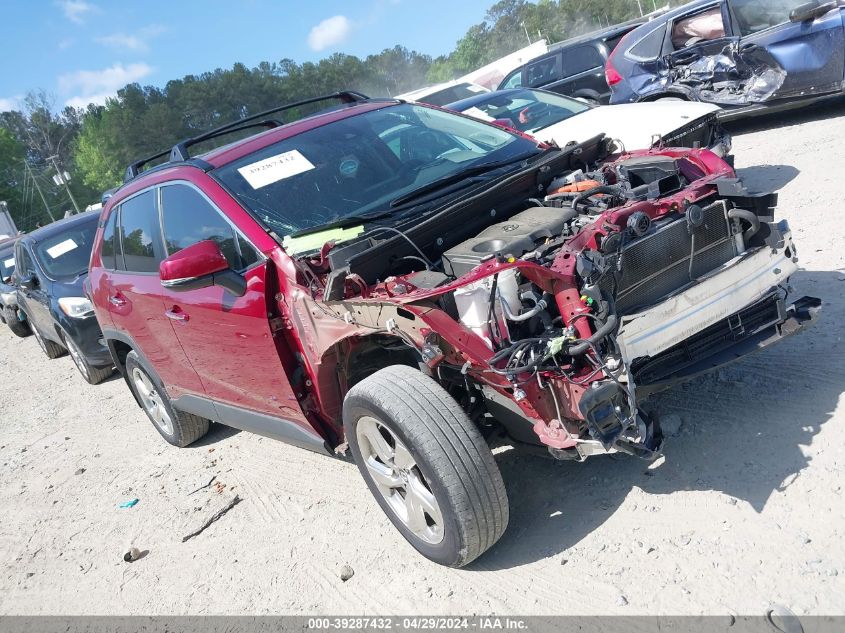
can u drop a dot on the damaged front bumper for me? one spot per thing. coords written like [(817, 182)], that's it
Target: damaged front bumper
[(738, 309)]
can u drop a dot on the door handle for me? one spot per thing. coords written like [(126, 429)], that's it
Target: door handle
[(176, 315), (117, 301)]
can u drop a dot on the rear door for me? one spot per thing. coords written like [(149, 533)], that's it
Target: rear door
[(812, 52), (228, 339), (702, 33), (134, 293), (582, 74)]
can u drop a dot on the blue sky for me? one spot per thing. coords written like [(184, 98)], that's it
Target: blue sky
[(82, 51)]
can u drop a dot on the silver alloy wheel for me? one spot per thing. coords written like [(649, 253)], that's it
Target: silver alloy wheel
[(151, 400), (399, 480), (76, 357)]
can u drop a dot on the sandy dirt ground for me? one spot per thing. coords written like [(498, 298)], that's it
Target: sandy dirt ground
[(746, 510)]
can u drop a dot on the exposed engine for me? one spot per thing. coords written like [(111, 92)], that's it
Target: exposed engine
[(619, 279)]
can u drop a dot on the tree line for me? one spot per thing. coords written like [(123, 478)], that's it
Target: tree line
[(95, 144)]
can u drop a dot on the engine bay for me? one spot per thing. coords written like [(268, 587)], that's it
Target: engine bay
[(566, 293)]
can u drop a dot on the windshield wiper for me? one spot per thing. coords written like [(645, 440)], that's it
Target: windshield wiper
[(457, 177)]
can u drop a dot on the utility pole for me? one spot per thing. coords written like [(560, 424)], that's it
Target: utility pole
[(639, 4), (528, 37), (63, 180), (40, 193)]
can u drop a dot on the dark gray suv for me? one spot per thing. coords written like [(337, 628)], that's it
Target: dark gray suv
[(574, 67)]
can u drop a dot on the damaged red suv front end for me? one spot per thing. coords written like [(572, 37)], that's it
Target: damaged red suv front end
[(557, 320), (406, 282)]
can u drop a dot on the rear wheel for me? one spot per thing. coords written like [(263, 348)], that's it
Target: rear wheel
[(177, 427), (92, 375), (18, 327), (426, 464), (52, 349)]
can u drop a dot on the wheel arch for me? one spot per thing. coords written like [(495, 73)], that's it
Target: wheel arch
[(351, 359)]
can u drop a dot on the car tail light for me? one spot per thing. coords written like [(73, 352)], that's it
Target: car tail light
[(611, 74)]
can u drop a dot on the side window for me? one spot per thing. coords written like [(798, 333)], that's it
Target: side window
[(758, 15), (701, 27), (24, 262), (544, 71), (108, 253), (581, 59), (514, 81), (649, 47), (189, 218), (140, 234)]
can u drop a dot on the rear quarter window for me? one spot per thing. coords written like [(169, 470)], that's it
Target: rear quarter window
[(581, 59), (649, 47)]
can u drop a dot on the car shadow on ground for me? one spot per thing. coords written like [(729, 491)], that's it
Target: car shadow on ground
[(765, 178), (217, 433), (829, 109), (742, 433)]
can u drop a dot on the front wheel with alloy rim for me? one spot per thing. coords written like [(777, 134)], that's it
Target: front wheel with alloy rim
[(426, 464), (92, 375), (177, 427)]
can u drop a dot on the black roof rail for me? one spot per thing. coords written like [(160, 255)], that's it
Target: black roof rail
[(179, 152)]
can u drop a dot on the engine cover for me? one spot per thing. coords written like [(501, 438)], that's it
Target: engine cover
[(519, 235)]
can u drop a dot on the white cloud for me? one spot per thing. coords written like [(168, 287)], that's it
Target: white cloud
[(66, 43), (76, 10), (139, 41), (10, 103), (329, 32), (95, 86)]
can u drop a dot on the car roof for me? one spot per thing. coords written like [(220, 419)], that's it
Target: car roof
[(596, 36), (230, 152), (60, 226)]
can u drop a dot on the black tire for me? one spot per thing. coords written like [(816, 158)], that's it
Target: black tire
[(50, 348), (18, 327), (185, 428), (457, 466), (92, 375)]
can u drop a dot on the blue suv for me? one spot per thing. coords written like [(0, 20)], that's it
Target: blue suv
[(744, 55)]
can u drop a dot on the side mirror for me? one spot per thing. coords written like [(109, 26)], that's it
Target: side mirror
[(810, 11), (200, 265), (30, 282)]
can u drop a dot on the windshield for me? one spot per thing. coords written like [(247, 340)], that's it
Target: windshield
[(527, 110), (360, 164), (7, 264), (67, 253)]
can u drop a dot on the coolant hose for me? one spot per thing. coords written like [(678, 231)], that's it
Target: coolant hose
[(609, 190), (748, 216), (541, 305), (608, 328)]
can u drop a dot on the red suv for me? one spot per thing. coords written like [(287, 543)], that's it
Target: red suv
[(408, 284)]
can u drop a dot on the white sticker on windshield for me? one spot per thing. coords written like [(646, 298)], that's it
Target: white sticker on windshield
[(61, 248), (266, 172), (474, 88), (9, 263), (478, 113)]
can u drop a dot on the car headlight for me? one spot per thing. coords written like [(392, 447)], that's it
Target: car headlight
[(76, 306), (9, 298)]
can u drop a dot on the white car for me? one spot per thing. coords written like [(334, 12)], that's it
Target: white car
[(548, 117), (441, 94)]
